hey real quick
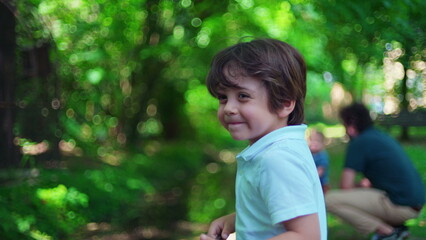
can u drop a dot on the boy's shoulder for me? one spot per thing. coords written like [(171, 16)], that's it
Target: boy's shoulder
[(279, 142), (281, 151)]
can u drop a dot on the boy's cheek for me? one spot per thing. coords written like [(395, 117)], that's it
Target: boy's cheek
[(223, 123), (220, 116)]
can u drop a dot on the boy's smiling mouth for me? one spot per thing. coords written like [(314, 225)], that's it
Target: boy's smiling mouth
[(234, 125), (233, 122)]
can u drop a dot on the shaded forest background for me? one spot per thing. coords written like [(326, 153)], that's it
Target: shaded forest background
[(105, 118)]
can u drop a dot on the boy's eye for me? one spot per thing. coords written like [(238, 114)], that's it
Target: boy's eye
[(243, 96), (222, 98)]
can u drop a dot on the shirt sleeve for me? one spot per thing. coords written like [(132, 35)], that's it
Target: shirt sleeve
[(286, 185)]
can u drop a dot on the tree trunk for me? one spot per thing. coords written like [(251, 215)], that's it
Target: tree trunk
[(9, 152), (404, 101)]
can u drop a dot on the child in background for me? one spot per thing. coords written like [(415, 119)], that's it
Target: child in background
[(261, 87), (316, 143)]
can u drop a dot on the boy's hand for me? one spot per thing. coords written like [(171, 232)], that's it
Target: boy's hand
[(206, 237), (220, 228)]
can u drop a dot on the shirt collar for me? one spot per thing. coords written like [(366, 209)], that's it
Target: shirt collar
[(288, 132)]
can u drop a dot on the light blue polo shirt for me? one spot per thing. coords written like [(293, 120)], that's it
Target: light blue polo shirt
[(276, 181)]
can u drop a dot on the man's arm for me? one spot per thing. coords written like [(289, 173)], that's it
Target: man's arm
[(348, 178)]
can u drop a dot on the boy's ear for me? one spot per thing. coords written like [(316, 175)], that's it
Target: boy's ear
[(287, 108)]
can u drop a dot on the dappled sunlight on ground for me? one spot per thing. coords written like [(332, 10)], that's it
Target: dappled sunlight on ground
[(181, 231)]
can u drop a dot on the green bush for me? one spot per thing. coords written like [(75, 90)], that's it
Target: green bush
[(141, 191), (41, 213)]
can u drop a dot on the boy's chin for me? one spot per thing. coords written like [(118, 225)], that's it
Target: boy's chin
[(251, 141), (239, 138)]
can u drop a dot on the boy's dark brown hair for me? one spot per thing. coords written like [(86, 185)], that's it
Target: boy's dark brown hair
[(278, 65)]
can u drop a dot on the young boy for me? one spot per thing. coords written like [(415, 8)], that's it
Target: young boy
[(261, 86), (316, 143)]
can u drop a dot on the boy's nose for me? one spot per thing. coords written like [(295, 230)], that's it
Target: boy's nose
[(230, 108)]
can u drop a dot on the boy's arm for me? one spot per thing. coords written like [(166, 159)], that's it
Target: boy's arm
[(220, 228), (301, 228)]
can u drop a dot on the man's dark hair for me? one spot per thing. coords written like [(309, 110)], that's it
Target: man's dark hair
[(356, 115), (278, 65)]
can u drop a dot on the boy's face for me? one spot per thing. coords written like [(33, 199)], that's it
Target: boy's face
[(244, 110)]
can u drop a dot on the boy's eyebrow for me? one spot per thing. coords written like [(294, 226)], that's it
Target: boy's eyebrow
[(222, 86)]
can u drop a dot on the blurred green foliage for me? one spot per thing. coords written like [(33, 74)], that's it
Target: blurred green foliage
[(123, 72), (114, 90), (59, 203), (41, 213)]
